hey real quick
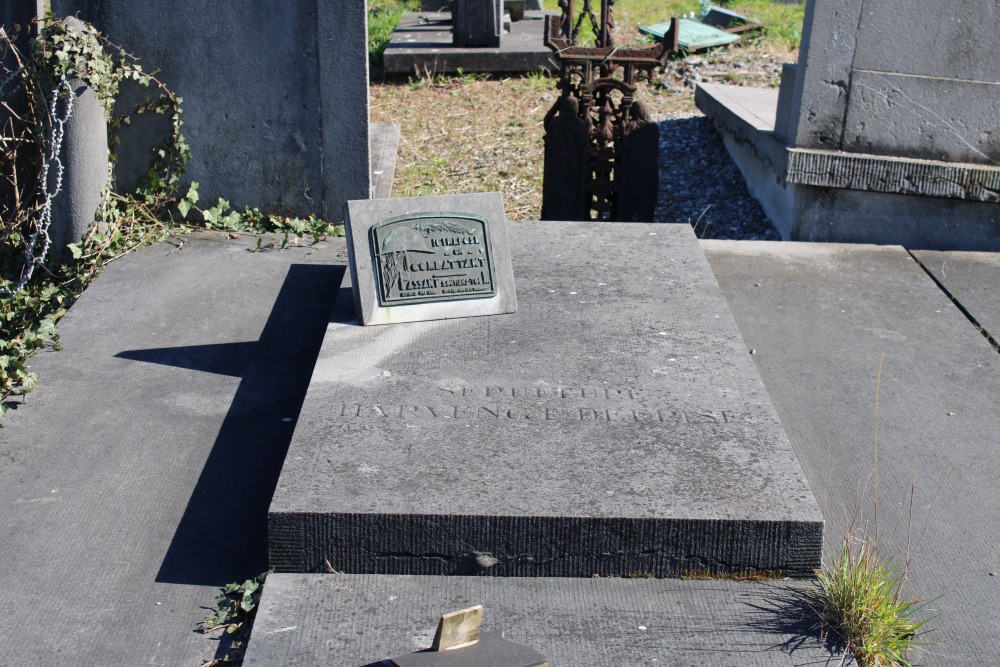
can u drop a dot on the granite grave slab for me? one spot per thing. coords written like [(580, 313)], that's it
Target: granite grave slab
[(824, 318), (614, 424)]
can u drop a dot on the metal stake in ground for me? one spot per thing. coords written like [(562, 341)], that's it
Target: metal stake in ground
[(600, 144)]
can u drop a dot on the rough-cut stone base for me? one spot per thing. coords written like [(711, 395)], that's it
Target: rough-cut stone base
[(422, 44), (613, 424), (832, 196)]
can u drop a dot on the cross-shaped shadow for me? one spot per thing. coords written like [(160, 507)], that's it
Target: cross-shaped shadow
[(222, 536)]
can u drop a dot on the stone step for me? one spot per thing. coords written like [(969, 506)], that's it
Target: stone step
[(614, 425), (383, 146), (351, 620)]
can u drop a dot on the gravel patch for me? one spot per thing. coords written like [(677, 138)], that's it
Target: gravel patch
[(742, 67), (700, 184)]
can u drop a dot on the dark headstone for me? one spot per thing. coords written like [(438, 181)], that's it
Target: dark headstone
[(564, 189), (638, 172), (285, 129), (515, 8), (477, 22)]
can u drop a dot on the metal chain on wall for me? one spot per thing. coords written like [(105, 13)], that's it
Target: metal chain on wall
[(52, 170)]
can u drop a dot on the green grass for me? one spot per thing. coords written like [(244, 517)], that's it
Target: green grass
[(782, 22), (860, 599), (383, 17)]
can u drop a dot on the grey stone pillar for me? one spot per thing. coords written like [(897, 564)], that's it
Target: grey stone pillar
[(477, 22), (84, 156), (901, 78)]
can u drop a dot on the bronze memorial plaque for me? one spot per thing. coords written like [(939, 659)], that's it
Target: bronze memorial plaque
[(431, 257)]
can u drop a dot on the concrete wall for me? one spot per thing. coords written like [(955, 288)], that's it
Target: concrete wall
[(905, 78), (275, 93)]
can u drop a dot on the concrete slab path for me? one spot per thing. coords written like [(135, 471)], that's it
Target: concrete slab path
[(971, 278), (821, 319), (140, 470), (136, 479)]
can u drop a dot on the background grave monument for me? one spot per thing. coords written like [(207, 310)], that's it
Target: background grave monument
[(471, 36), (886, 131), (275, 95), (477, 22)]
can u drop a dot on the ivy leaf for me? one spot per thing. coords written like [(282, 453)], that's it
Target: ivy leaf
[(183, 206), (192, 193), (47, 328), (76, 249)]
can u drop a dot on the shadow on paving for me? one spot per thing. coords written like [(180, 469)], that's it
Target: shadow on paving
[(789, 612), (222, 536)]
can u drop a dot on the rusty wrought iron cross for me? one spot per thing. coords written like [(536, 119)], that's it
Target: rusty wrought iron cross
[(600, 144)]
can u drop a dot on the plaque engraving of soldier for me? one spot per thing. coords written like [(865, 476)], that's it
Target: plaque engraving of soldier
[(432, 257)]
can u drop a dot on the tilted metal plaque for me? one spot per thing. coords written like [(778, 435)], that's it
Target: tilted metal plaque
[(431, 257)]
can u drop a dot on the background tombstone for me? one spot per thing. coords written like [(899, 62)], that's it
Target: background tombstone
[(275, 94), (477, 22), (886, 131)]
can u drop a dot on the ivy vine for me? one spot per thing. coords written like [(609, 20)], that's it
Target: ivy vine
[(33, 92), (32, 87)]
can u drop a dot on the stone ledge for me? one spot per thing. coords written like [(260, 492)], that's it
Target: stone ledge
[(877, 173), (349, 620), (748, 114)]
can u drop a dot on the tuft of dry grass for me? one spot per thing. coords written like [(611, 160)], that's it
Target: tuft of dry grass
[(469, 134), (859, 597)]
